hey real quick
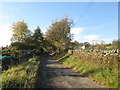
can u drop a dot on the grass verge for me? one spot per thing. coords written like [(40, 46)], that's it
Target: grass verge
[(21, 76), (96, 71)]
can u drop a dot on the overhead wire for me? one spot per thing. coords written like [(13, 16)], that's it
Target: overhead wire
[(83, 13)]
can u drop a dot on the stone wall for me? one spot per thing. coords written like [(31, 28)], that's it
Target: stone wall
[(107, 57)]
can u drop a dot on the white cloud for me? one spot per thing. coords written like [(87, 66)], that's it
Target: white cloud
[(77, 33), (82, 38), (78, 36), (90, 38), (77, 30), (93, 37), (5, 35)]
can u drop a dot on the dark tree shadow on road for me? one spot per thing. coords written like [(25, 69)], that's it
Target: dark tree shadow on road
[(39, 75), (46, 72)]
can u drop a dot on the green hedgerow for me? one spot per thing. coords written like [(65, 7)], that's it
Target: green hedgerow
[(21, 76)]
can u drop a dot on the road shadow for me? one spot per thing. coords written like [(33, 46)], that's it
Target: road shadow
[(63, 72), (49, 69), (40, 74), (46, 73)]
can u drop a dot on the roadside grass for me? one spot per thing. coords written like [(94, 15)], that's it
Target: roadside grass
[(0, 81), (0, 76), (21, 76), (60, 55), (108, 47), (98, 72)]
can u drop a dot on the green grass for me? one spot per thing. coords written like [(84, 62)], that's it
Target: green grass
[(0, 81), (96, 71), (21, 76), (109, 48)]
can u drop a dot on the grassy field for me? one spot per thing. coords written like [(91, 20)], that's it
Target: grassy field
[(96, 71), (21, 76)]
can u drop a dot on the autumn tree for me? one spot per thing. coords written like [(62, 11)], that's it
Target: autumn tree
[(59, 34), (49, 48), (20, 31)]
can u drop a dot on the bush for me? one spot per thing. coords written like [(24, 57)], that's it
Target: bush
[(21, 76)]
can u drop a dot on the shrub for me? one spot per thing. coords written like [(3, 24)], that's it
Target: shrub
[(21, 76)]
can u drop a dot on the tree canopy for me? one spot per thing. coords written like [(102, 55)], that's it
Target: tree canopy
[(20, 31), (59, 33), (57, 38), (38, 40)]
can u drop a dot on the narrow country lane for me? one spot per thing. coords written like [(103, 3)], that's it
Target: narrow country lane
[(53, 74)]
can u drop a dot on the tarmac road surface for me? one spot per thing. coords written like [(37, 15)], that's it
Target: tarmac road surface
[(53, 74)]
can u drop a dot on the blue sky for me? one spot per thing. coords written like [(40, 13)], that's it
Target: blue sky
[(99, 20)]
